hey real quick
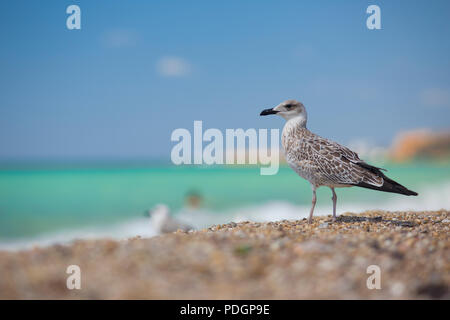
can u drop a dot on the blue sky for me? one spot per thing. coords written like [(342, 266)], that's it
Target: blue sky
[(137, 70)]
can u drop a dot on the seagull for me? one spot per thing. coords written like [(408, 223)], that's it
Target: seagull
[(161, 221), (323, 162)]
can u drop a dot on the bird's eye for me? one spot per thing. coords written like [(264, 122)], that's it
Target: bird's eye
[(289, 106)]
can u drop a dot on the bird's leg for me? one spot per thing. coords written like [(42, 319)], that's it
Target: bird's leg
[(334, 198), (314, 198)]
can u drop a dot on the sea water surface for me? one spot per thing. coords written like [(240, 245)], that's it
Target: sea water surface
[(44, 206)]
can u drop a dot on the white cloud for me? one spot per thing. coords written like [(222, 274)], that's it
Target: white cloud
[(120, 38), (173, 67), (435, 97)]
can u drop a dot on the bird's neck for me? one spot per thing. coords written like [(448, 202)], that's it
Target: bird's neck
[(297, 122)]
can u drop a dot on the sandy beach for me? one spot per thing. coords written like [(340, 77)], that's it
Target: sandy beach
[(274, 260)]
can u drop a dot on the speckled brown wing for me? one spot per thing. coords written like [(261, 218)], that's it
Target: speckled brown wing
[(337, 164)]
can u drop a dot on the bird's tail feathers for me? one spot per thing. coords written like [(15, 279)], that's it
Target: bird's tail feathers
[(389, 185), (392, 186)]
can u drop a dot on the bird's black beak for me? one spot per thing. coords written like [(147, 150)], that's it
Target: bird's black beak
[(266, 112)]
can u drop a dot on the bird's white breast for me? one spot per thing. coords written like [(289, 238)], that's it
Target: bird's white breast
[(291, 138)]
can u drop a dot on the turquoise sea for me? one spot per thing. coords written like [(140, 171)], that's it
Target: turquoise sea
[(37, 203)]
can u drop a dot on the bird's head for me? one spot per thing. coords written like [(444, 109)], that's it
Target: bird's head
[(288, 109)]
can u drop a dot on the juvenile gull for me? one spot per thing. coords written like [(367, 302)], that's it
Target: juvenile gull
[(323, 162)]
